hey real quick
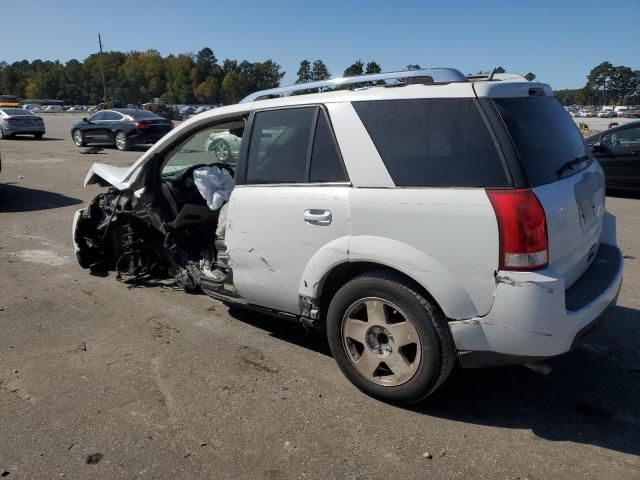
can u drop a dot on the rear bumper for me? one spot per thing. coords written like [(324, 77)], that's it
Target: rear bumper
[(147, 137), (534, 317)]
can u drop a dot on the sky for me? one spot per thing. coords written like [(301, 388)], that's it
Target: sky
[(559, 41)]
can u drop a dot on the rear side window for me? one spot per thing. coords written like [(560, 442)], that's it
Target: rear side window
[(629, 137), (434, 142), (279, 145), (544, 135), (112, 116), (326, 163), (97, 117)]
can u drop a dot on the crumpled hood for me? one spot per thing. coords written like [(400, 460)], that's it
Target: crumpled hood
[(101, 172)]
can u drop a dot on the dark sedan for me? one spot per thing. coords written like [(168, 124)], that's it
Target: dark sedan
[(618, 151), (122, 127)]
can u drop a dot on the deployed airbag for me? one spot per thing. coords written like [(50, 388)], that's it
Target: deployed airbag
[(214, 184)]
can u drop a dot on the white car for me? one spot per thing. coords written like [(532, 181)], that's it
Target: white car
[(441, 221), (52, 109), (606, 114)]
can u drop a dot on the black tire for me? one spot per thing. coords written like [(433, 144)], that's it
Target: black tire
[(437, 351), (38, 136), (4, 136), (122, 141), (78, 138)]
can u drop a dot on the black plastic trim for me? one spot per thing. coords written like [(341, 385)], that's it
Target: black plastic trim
[(595, 280), (505, 143), (482, 359)]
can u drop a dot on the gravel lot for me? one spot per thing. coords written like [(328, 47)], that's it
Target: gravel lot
[(162, 384)]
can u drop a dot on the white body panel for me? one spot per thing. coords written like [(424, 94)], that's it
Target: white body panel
[(573, 227), (270, 244), (417, 231)]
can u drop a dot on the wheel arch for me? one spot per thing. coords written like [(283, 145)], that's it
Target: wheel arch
[(343, 259)]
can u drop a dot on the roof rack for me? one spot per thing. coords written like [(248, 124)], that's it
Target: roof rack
[(493, 76), (427, 75)]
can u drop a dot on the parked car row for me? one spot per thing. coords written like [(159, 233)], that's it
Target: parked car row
[(621, 111)]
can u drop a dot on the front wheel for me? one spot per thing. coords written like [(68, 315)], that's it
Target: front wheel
[(38, 136), (122, 142), (78, 138), (388, 339)]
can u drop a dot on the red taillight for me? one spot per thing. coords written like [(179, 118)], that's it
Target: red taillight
[(142, 125), (522, 227)]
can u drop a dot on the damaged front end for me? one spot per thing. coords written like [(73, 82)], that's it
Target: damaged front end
[(120, 232), (109, 235)]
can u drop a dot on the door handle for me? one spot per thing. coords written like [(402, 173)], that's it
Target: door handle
[(317, 217)]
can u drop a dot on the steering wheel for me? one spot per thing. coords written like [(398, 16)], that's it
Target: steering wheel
[(186, 179)]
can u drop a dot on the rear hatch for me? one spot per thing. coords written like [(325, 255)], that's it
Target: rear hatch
[(561, 170)]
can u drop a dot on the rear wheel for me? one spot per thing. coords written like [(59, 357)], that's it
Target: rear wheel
[(388, 339), (122, 142), (38, 136), (78, 138)]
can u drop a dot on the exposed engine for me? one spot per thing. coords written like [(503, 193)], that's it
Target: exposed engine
[(121, 233)]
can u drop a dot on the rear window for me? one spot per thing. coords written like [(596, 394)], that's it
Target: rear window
[(144, 114), (16, 111), (545, 137), (433, 142)]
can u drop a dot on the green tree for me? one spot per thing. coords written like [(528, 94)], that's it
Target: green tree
[(207, 91), (373, 67), (500, 70), (178, 71), (304, 72), (530, 76), (355, 69), (414, 66), (319, 71), (599, 77), (622, 84)]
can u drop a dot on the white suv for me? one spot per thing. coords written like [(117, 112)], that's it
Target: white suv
[(419, 222)]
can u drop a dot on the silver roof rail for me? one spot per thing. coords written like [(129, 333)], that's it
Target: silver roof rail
[(435, 75), (493, 76)]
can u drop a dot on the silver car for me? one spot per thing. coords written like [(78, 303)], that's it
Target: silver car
[(224, 144), (18, 121)]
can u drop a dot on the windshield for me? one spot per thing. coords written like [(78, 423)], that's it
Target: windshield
[(548, 142)]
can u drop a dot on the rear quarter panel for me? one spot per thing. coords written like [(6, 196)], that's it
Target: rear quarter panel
[(445, 239)]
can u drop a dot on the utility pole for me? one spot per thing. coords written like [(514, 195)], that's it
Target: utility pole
[(104, 85)]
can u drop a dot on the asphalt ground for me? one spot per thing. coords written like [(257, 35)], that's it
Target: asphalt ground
[(101, 381)]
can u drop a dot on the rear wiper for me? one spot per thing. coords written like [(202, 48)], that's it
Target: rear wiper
[(570, 164)]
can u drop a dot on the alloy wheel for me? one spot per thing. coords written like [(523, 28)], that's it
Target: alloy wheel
[(381, 341), (121, 141), (77, 138), (222, 150)]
